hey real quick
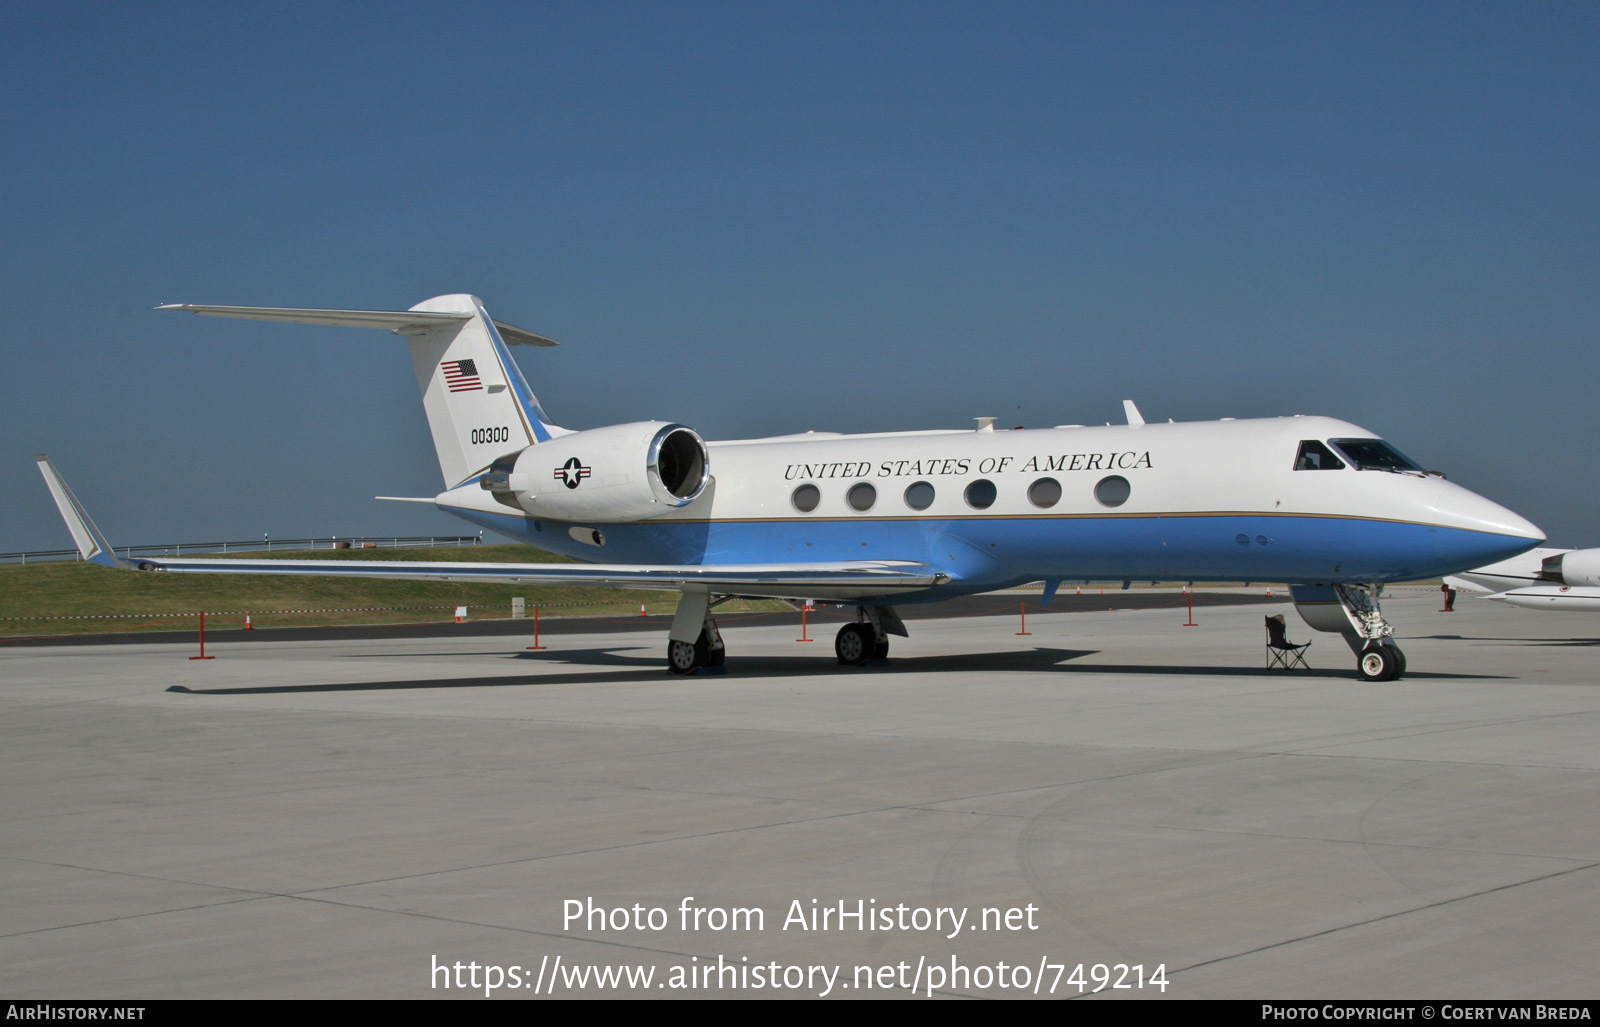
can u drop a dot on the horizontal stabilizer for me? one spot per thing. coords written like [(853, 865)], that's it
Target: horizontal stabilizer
[(403, 322)]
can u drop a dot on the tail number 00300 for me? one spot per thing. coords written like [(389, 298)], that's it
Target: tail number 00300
[(481, 436)]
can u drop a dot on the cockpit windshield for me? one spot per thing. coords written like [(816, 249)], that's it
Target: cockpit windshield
[(1374, 455)]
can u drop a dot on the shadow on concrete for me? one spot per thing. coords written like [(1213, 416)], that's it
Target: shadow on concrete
[(634, 665), (1514, 641)]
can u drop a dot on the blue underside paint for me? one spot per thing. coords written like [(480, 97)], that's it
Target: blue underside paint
[(981, 554)]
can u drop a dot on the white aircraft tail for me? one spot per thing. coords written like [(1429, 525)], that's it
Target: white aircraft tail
[(478, 404)]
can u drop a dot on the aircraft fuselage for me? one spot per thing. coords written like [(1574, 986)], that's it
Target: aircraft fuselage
[(1214, 501)]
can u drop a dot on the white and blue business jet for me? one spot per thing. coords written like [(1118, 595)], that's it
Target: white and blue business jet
[(902, 517)]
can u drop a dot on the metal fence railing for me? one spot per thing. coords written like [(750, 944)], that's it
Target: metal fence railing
[(265, 545)]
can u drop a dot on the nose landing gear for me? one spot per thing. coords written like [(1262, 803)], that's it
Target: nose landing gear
[(1353, 611)]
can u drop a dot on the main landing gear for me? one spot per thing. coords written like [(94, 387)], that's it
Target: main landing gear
[(855, 645), (868, 638), (688, 657), (1353, 611), (694, 641)]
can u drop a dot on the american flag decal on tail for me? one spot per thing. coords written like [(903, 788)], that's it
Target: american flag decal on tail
[(461, 375)]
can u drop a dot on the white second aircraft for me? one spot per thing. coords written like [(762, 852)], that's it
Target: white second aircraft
[(1540, 579), (903, 517)]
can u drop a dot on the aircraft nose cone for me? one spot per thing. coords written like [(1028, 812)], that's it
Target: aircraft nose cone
[(1465, 509), (1486, 531)]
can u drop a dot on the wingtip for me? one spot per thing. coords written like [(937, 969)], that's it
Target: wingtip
[(92, 545)]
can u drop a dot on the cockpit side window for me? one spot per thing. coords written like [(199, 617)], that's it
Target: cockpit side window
[(1314, 456), (1374, 455)]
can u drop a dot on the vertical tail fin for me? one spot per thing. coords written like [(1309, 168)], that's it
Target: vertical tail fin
[(478, 404)]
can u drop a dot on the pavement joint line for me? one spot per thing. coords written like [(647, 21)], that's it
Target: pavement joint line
[(1365, 843), (1356, 924), (622, 846)]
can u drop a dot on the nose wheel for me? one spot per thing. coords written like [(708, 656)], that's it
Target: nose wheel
[(1380, 662)]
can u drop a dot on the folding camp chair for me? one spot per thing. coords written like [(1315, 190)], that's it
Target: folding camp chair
[(1280, 651)]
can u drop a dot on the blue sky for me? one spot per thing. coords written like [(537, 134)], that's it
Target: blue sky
[(761, 218)]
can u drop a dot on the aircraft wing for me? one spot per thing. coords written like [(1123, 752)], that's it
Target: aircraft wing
[(842, 580), (845, 580), (1469, 586), (1518, 572)]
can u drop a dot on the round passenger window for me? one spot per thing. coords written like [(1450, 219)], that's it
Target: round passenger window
[(1044, 493), (980, 494), (861, 496), (1113, 491), (919, 495), (806, 498)]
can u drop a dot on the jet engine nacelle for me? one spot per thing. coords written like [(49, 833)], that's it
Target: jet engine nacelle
[(1579, 567), (626, 472)]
